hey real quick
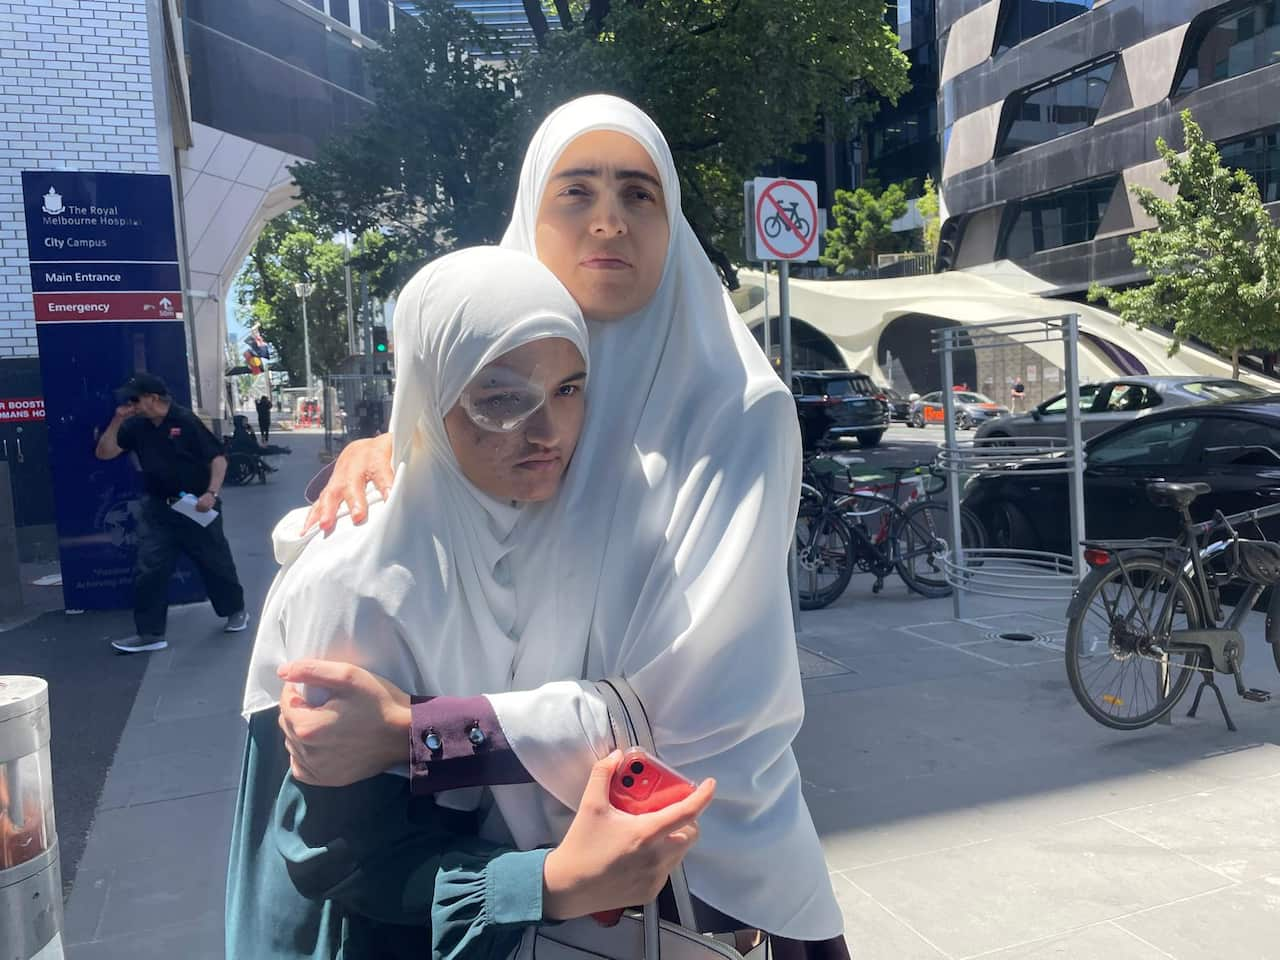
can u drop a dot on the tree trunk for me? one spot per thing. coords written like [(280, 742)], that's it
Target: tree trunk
[(593, 19), (537, 20), (1235, 364), (565, 14)]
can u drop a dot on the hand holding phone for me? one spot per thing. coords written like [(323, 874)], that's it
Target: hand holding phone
[(642, 784)]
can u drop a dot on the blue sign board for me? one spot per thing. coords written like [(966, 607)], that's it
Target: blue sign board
[(107, 295)]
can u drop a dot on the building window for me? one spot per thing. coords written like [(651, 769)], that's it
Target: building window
[(1234, 43), (1054, 109), (1056, 219), (1023, 19), (1258, 154)]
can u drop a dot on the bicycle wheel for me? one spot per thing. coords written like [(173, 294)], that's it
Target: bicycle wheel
[(1117, 668), (922, 542), (824, 557), (772, 226)]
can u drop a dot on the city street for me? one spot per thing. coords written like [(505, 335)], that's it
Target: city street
[(967, 806)]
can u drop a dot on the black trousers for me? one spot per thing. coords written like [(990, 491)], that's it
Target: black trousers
[(162, 535), (264, 426)]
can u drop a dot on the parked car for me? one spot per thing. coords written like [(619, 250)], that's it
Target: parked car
[(899, 406), (1233, 446), (837, 403), (1113, 402), (972, 409)]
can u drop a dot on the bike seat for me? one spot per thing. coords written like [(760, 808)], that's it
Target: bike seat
[(1179, 495)]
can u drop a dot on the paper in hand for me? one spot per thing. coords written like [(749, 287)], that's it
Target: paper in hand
[(186, 505)]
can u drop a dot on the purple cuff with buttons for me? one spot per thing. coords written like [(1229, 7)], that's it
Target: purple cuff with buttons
[(457, 742)]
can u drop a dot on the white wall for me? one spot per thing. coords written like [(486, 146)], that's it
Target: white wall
[(75, 93)]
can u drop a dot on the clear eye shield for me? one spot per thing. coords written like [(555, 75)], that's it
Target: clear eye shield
[(501, 400)]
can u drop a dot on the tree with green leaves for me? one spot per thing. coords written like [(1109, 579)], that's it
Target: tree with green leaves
[(1213, 256), (930, 211), (734, 85), (296, 247), (864, 226)]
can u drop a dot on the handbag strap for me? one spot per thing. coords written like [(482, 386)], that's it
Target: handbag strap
[(631, 717)]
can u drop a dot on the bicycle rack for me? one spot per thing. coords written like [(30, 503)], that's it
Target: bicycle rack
[(1011, 573)]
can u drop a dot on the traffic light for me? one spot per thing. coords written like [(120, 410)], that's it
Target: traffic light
[(379, 339)]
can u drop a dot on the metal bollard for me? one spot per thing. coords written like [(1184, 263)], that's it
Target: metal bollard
[(30, 875)]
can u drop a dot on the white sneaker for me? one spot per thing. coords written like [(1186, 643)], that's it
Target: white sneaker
[(143, 643), (237, 622)]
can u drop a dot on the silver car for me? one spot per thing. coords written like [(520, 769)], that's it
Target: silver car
[(1113, 402)]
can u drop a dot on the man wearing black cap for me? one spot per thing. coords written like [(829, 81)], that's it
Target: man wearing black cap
[(178, 455)]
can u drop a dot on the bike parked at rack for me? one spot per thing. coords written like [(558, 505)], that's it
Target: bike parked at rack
[(842, 528), (1149, 616)]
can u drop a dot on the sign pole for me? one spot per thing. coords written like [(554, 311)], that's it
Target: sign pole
[(783, 226), (784, 337), (768, 333)]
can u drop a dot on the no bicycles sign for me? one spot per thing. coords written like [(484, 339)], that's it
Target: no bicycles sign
[(785, 221)]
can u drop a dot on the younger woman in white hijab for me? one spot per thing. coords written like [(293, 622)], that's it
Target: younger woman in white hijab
[(663, 560), (488, 409)]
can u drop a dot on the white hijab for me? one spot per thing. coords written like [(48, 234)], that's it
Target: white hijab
[(421, 593), (664, 560)]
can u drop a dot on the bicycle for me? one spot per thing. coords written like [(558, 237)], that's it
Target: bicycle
[(1149, 616), (839, 531), (792, 222)]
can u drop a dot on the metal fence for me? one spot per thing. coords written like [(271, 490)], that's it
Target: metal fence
[(1007, 571), (355, 406)]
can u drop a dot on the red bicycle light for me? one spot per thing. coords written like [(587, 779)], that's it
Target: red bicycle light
[(1097, 558)]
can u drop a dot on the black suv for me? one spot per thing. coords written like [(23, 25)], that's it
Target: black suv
[(838, 403)]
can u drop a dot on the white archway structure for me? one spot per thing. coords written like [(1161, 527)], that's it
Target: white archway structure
[(854, 314)]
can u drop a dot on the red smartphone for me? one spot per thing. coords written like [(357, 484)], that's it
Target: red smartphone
[(642, 784)]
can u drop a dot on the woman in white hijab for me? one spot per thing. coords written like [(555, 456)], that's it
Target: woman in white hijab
[(491, 367), (664, 558)]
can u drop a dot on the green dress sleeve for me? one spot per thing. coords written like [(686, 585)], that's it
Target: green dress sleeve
[(364, 871), (403, 861)]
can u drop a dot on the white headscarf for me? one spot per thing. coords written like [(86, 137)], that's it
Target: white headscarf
[(665, 562), (421, 593)]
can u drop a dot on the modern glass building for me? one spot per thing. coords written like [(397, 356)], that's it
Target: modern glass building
[(1050, 111)]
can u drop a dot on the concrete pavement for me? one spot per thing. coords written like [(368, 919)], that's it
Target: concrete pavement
[(967, 806)]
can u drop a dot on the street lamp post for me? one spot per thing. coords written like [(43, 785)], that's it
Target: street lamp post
[(303, 290)]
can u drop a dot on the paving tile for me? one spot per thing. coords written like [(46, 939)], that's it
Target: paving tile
[(1239, 923), (873, 933), (1008, 891), (201, 940), (190, 830), (1104, 940), (222, 732), (185, 774), (148, 893), (1230, 829)]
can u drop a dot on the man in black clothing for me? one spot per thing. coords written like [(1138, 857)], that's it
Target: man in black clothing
[(263, 404), (178, 455)]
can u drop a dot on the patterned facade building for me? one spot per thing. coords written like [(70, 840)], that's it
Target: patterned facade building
[(1050, 110)]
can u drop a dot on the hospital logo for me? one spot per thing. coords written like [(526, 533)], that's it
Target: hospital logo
[(53, 203)]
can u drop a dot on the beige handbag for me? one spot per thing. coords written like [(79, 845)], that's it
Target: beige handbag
[(640, 934)]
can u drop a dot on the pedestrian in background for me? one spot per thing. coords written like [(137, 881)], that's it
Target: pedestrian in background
[(1018, 395), (263, 404), (178, 455)]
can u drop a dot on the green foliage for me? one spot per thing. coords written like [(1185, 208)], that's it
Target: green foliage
[(863, 229), (930, 210), (1213, 256), (433, 166), (297, 247), (734, 85)]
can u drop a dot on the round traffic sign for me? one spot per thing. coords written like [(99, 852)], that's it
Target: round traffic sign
[(786, 220)]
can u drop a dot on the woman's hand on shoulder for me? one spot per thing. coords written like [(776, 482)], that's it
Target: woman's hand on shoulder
[(610, 859), (359, 731), (361, 462)]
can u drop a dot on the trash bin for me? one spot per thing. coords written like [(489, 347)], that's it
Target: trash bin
[(30, 877)]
